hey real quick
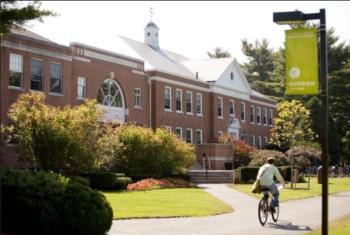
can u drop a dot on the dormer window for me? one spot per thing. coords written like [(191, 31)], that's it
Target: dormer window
[(231, 76), (148, 34)]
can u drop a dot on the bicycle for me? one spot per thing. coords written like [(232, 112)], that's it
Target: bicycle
[(265, 207)]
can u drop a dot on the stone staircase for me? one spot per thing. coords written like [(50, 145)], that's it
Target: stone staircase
[(211, 176)]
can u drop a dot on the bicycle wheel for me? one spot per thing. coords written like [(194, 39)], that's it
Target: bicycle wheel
[(276, 214), (263, 211)]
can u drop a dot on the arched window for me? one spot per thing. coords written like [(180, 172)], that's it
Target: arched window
[(109, 94)]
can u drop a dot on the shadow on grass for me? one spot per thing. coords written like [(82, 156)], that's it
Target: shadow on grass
[(286, 225)]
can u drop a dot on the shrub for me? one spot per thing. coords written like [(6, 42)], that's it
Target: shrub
[(248, 174), (46, 203), (103, 180), (146, 154), (305, 156), (259, 158), (149, 184)]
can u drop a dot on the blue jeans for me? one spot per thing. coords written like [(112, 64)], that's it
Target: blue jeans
[(275, 194)]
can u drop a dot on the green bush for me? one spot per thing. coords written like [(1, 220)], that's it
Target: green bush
[(248, 174), (259, 158), (146, 154), (46, 203), (103, 180)]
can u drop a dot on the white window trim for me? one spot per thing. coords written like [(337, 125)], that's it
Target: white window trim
[(189, 92), (259, 142), (21, 87), (167, 87), (258, 114), (201, 136), (201, 104), (240, 111), (189, 129), (42, 73), (265, 114), (52, 92), (181, 100), (221, 102), (79, 97), (179, 128), (135, 105), (252, 122), (253, 142), (271, 115), (265, 140), (168, 128), (233, 107)]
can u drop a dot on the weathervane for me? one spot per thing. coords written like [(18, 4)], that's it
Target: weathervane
[(151, 13)]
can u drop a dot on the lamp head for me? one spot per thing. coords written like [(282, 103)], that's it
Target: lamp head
[(289, 17)]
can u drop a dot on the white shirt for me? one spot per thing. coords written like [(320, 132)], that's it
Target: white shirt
[(269, 172)]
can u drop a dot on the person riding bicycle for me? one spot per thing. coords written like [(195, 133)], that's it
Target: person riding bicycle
[(266, 174)]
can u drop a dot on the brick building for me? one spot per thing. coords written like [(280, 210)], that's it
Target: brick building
[(142, 83)]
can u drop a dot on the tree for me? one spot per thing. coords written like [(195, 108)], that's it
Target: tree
[(219, 53), (292, 125), (12, 14)]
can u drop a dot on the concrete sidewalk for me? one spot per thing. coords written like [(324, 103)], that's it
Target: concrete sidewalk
[(296, 217)]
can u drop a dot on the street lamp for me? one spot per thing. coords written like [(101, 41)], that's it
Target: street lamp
[(294, 17)]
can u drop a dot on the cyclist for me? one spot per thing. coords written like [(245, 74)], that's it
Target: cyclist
[(266, 174)]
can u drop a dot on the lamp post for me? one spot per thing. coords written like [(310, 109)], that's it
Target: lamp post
[(298, 17)]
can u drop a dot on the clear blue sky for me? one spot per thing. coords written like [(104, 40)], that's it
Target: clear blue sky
[(188, 28)]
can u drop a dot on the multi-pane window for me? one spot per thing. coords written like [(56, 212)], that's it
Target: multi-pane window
[(16, 70), (265, 117), (110, 94), (232, 108), (178, 132), (36, 74), (81, 88), (252, 140), (264, 141), (199, 108), (56, 77), (189, 138), (259, 142), (252, 114), (167, 98), (243, 111), (220, 107), (189, 102), (270, 117), (137, 94), (258, 115), (199, 136), (178, 100)]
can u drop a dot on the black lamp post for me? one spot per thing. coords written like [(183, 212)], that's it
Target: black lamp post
[(298, 17)]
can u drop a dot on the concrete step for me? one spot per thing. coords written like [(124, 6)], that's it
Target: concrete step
[(201, 176)]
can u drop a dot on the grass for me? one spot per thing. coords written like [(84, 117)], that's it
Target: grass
[(338, 227), (336, 185), (165, 203)]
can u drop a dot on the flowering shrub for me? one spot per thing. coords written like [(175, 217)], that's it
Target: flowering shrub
[(151, 183)]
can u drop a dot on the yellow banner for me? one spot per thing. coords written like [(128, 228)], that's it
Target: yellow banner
[(301, 62)]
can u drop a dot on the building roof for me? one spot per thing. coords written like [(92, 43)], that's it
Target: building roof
[(151, 24), (27, 33)]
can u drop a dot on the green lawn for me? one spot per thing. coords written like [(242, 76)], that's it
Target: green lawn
[(338, 227), (165, 203), (336, 185)]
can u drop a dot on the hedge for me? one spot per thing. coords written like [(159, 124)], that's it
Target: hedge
[(107, 180), (47, 203), (248, 174)]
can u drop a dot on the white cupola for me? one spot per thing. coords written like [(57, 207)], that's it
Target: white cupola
[(151, 35)]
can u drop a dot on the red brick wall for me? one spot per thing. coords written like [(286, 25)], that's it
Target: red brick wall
[(214, 151)]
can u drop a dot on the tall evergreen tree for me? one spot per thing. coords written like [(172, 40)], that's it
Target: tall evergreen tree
[(218, 52)]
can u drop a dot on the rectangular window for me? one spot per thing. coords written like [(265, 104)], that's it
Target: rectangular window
[(264, 141), (36, 74), (189, 102), (178, 132), (189, 136), (56, 77), (167, 98), (220, 107), (258, 116), (252, 114), (243, 111), (137, 93), (270, 117), (16, 70), (81, 88), (178, 100), (199, 136), (232, 107), (265, 117), (199, 108), (252, 140), (167, 128), (259, 142)]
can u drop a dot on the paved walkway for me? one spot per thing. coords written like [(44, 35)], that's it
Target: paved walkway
[(296, 217)]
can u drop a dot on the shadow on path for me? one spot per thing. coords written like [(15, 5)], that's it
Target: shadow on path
[(286, 225)]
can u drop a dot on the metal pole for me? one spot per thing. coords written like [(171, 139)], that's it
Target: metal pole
[(324, 108)]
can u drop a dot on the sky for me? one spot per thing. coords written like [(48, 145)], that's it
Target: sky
[(187, 28)]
